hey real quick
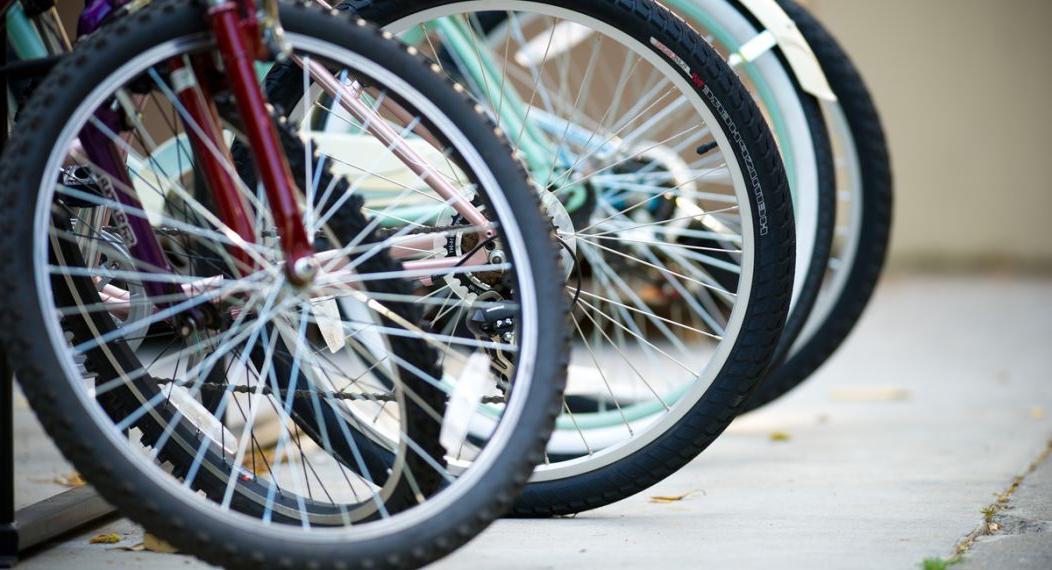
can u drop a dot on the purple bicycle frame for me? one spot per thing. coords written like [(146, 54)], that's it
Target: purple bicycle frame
[(101, 151)]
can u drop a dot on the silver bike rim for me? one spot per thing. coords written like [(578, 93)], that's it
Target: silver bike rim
[(848, 237), (651, 428), (432, 508)]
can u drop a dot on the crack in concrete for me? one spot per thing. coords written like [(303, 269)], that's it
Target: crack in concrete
[(995, 523)]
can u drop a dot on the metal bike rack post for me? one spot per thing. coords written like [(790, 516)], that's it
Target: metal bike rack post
[(32, 526), (8, 532)]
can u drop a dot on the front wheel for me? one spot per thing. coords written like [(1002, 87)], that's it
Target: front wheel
[(205, 413)]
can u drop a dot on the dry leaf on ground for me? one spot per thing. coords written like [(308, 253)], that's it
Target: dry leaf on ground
[(261, 461), (780, 436), (110, 538), (664, 499), (871, 394), (73, 480)]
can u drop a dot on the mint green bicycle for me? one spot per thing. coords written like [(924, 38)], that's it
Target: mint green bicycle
[(667, 190), (550, 58)]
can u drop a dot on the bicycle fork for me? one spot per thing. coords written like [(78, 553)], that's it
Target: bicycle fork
[(240, 40), (243, 36)]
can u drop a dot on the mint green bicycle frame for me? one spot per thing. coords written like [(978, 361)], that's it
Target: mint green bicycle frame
[(537, 149), (514, 113), (22, 35)]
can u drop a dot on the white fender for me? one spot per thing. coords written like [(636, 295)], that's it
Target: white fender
[(783, 31)]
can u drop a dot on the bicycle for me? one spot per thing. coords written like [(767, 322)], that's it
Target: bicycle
[(220, 326), (677, 218)]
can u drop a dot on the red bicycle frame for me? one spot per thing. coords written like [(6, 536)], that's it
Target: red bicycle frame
[(238, 35)]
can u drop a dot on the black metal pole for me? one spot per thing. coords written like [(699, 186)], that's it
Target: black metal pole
[(8, 533)]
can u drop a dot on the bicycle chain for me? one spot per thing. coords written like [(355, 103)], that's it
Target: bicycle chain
[(386, 234), (345, 396)]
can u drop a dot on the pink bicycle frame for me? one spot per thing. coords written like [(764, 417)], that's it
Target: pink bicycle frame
[(240, 41)]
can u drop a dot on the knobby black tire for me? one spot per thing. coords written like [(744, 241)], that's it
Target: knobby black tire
[(189, 523), (826, 198)]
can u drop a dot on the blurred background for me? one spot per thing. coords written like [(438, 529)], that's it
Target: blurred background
[(963, 86)]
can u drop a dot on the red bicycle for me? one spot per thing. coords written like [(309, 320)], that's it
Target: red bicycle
[(216, 304)]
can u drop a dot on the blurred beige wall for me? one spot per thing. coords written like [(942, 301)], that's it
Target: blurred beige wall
[(965, 87)]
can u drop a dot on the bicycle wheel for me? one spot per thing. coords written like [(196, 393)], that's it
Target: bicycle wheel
[(864, 214), (796, 118), (863, 204), (673, 205), (255, 474)]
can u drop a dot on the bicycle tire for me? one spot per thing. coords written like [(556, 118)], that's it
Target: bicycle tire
[(176, 518), (874, 159), (766, 315)]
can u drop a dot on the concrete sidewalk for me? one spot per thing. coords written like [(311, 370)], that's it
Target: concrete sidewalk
[(884, 459)]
